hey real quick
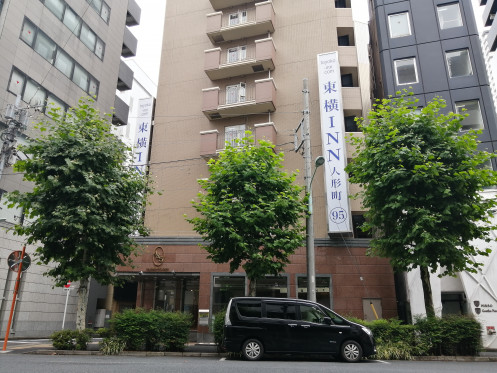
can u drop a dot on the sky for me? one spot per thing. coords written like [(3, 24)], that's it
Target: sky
[(149, 35)]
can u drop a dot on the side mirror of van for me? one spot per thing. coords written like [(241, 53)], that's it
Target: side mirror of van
[(327, 321)]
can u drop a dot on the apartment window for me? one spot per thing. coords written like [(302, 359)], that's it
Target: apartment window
[(16, 82), (350, 124), (237, 54), (235, 93), (234, 133), (45, 47), (405, 71), (99, 49), (88, 37), (72, 21), (34, 94), (474, 120), (93, 90), (399, 25), (344, 41), (96, 4), (105, 12), (347, 80), (53, 103), (459, 63), (64, 63), (56, 6), (80, 77), (238, 18), (449, 16)]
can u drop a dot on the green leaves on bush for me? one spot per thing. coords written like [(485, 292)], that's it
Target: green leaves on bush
[(450, 335), (71, 339), (218, 328), (112, 346), (152, 330)]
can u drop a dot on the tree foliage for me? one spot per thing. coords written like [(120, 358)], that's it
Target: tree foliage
[(421, 177), (86, 201), (251, 211)]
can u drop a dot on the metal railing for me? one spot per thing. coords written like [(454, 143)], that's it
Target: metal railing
[(230, 136), (238, 18)]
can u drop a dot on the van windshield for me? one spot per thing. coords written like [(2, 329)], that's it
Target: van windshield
[(338, 320)]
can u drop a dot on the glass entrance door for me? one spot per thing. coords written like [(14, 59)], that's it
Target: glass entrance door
[(178, 293)]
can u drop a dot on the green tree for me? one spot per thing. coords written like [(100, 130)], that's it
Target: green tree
[(86, 202), (251, 211), (421, 178)]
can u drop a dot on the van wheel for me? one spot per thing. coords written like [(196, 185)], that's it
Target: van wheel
[(351, 351), (252, 350)]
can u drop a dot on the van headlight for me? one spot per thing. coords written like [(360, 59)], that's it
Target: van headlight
[(367, 331)]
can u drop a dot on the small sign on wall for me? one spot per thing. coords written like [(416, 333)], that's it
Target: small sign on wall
[(203, 317)]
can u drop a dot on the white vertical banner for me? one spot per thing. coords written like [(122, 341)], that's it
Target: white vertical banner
[(142, 134), (333, 140)]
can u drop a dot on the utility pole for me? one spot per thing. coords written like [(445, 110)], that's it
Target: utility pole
[(17, 119), (309, 226)]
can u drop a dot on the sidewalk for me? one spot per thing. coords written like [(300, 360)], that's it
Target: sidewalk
[(44, 347)]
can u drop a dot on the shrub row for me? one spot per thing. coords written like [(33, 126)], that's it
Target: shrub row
[(135, 330), (449, 335)]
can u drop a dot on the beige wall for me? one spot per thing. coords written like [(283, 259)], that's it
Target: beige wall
[(303, 29)]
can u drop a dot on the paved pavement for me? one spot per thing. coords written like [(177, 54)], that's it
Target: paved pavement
[(44, 346)]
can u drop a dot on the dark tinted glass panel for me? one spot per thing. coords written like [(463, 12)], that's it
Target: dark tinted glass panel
[(249, 309), (281, 311)]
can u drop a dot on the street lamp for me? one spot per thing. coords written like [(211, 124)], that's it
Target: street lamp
[(311, 266)]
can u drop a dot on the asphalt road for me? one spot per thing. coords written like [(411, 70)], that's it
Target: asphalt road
[(27, 363)]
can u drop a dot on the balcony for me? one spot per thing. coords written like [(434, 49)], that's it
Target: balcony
[(121, 112), (221, 4), (124, 77), (212, 142), (133, 13), (130, 44), (241, 60), (241, 24), (239, 99)]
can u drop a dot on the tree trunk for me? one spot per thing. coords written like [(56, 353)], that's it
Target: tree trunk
[(252, 286), (84, 287), (425, 281)]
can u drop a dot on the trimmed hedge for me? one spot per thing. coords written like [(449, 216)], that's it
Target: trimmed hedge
[(71, 339), (218, 328), (152, 330), (450, 335)]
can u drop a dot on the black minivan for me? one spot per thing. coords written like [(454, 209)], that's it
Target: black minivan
[(255, 326)]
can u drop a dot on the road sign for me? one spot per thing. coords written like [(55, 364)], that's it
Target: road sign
[(67, 286), (14, 260)]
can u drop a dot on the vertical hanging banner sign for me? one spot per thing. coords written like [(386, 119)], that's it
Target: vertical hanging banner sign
[(142, 134), (333, 140)]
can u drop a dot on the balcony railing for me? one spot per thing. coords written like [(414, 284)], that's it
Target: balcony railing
[(239, 24), (221, 4), (240, 60), (240, 99)]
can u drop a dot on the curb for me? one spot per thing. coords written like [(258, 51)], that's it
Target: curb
[(220, 355)]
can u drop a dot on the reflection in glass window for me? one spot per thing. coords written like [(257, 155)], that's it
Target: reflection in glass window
[(72, 21), (53, 103), (45, 47), (271, 286), (16, 82), (105, 12), (405, 71), (449, 16), (34, 94), (88, 37), (281, 311), (459, 63), (474, 120), (224, 288), (399, 25), (312, 314), (64, 63), (80, 77), (28, 32), (99, 49), (56, 6)]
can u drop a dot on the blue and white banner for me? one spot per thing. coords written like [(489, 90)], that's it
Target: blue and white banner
[(333, 140), (142, 134)]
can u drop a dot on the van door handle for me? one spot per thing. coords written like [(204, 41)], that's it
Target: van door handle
[(305, 326), (292, 325)]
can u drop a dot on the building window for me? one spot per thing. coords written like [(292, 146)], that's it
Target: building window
[(238, 18), (399, 25), (234, 133), (88, 37), (72, 21), (80, 77), (350, 124), (32, 93), (405, 71), (235, 93), (474, 120), (272, 286), (64, 63), (323, 289), (224, 288), (101, 7), (28, 32), (237, 54), (45, 47), (347, 80), (459, 63), (56, 7), (449, 16)]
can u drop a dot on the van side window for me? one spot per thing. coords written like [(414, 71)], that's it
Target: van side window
[(281, 311), (311, 314), (249, 309)]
